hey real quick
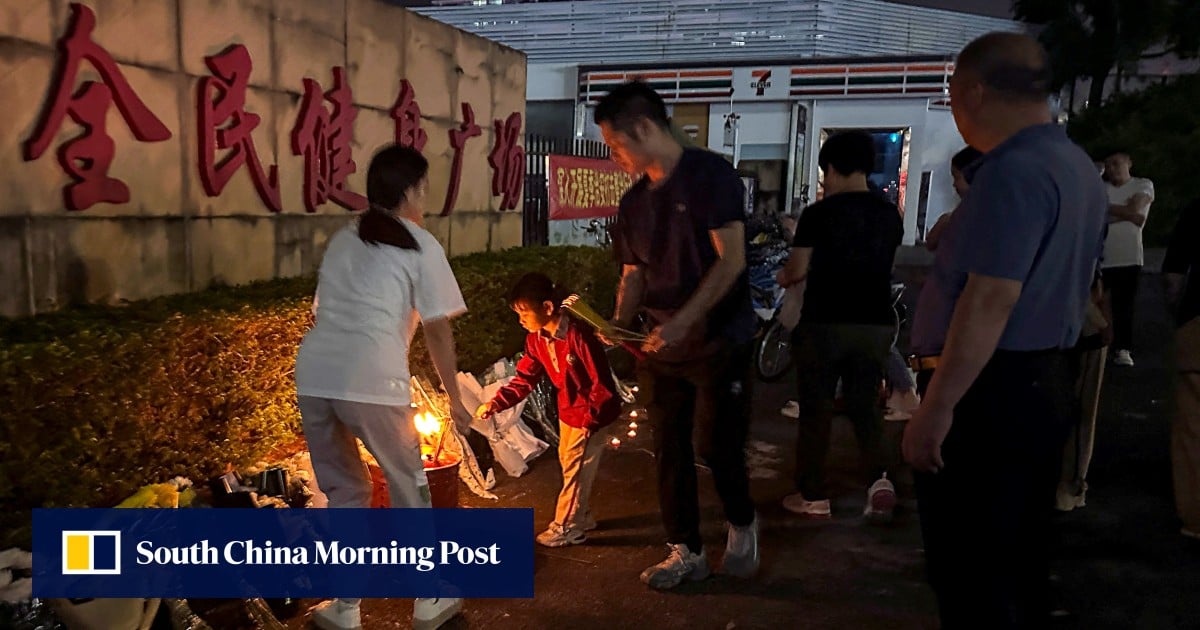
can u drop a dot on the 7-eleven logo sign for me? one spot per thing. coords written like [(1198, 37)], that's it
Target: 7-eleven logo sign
[(761, 81)]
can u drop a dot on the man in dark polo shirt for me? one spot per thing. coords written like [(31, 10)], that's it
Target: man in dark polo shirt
[(844, 248), (1005, 298), (680, 239)]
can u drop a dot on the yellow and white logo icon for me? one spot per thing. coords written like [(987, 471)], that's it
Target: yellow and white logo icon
[(91, 553)]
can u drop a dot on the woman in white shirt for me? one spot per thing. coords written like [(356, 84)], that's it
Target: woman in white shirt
[(380, 274)]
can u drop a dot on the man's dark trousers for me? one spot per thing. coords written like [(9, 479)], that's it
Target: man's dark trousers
[(986, 516), (705, 402)]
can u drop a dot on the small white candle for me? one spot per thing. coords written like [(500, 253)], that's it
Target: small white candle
[(632, 425), (615, 442), (632, 434)]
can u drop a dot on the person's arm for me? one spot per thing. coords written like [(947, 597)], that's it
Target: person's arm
[(729, 244), (629, 294), (980, 317), (437, 298), (934, 237), (1133, 211), (795, 270), (439, 338), (529, 372)]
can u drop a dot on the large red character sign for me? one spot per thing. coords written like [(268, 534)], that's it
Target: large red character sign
[(407, 114), (508, 162), (226, 125), (88, 157), (323, 138), (458, 139)]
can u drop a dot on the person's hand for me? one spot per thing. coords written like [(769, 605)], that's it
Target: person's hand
[(461, 417), (14, 586), (484, 412), (665, 335), (923, 437), (782, 278)]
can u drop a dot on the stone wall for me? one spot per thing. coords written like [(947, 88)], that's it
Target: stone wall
[(172, 235)]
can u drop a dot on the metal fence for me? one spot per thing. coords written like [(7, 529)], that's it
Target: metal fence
[(537, 206)]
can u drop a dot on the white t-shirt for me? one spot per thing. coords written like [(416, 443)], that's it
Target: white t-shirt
[(369, 298), (1123, 248)]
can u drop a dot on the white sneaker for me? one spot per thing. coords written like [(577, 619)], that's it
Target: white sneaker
[(681, 564), (797, 504), (430, 614), (741, 550), (881, 501), (791, 409), (1124, 359), (337, 614)]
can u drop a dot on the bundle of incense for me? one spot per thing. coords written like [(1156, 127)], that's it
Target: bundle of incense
[(627, 338)]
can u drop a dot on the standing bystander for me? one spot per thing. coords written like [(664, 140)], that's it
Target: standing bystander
[(1003, 303), (680, 238), (1129, 201)]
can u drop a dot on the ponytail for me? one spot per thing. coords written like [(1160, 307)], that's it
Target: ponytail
[(376, 226)]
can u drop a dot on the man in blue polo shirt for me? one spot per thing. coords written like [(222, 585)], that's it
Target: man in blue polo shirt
[(680, 239), (1005, 298)]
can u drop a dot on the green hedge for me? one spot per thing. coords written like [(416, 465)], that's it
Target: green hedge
[(101, 400)]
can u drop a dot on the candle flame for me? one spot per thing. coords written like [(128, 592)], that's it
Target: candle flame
[(427, 424)]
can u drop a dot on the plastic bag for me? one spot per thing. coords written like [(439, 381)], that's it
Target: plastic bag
[(512, 442)]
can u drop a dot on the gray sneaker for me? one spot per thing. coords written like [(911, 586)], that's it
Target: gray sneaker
[(559, 536), (741, 550), (681, 564)]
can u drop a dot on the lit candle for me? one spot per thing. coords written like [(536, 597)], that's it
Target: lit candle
[(615, 442), (633, 414), (632, 434), (632, 425)]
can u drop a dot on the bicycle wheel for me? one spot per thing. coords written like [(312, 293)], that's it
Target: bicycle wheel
[(773, 356)]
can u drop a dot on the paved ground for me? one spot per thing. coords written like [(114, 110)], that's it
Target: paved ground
[(1122, 563)]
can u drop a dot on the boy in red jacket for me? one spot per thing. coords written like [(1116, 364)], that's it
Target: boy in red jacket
[(574, 359)]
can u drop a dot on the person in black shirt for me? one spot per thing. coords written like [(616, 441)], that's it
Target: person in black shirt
[(1181, 270), (844, 248), (680, 238)]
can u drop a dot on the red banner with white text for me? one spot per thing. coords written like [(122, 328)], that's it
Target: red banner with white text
[(584, 188)]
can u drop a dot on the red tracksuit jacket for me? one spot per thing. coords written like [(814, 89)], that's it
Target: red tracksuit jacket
[(578, 368)]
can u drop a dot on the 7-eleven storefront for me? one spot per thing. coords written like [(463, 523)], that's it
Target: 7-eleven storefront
[(771, 118)]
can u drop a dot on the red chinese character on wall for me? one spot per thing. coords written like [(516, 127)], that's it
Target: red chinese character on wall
[(407, 114), (458, 139), (88, 157), (508, 162), (322, 136), (221, 100)]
